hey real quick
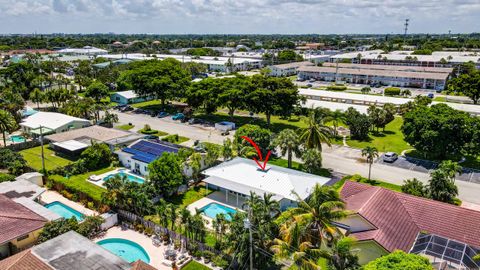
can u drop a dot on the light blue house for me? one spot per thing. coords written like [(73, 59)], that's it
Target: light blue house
[(128, 97)]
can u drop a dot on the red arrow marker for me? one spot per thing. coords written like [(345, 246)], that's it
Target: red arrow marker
[(259, 153)]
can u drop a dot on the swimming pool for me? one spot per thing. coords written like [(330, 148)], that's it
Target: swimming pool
[(17, 138), (211, 210), (125, 249), (130, 177), (64, 210)]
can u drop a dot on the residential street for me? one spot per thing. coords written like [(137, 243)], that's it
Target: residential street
[(341, 159)]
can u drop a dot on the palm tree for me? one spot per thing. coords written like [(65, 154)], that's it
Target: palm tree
[(315, 133), (37, 96), (336, 117), (451, 168), (7, 124), (227, 149), (289, 143), (370, 153), (172, 214), (305, 228), (340, 256)]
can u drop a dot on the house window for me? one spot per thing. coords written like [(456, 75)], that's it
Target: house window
[(22, 238)]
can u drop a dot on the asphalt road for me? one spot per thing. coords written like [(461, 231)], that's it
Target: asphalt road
[(341, 159)]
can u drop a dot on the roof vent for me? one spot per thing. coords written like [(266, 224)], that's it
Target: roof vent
[(265, 171)]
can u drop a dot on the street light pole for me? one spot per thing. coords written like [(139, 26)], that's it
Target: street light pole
[(248, 225), (41, 143)]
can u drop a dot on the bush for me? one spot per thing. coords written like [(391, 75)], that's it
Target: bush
[(12, 161), (96, 156), (392, 91), (171, 138), (337, 87), (6, 177), (148, 132)]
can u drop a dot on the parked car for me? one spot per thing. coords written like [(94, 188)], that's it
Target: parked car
[(309, 85), (195, 121), (430, 95), (225, 133), (162, 114), (390, 157), (178, 116), (126, 108)]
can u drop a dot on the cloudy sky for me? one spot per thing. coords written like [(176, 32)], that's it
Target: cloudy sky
[(238, 16)]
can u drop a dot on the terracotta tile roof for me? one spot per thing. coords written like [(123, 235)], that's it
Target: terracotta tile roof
[(399, 217), (140, 265), (17, 220), (24, 260)]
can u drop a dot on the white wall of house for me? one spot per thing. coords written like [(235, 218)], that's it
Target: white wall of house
[(71, 125), (357, 223)]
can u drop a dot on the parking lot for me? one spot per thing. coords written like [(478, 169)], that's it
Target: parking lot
[(425, 166)]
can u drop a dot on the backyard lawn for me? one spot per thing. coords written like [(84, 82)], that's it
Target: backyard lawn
[(33, 156), (193, 265), (192, 195), (79, 183), (389, 140)]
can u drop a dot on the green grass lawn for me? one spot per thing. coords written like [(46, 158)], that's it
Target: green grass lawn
[(192, 195), (440, 99), (173, 138), (378, 183), (125, 127), (296, 166), (33, 157), (158, 133), (389, 140), (193, 265), (79, 183)]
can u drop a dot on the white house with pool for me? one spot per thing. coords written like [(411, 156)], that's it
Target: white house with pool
[(235, 179)]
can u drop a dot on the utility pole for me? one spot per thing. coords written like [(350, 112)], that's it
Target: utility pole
[(248, 225), (406, 29)]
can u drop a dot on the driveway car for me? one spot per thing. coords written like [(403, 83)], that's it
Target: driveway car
[(390, 157)]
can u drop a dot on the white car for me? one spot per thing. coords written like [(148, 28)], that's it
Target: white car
[(390, 157)]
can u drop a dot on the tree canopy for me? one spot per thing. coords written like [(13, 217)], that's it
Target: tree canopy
[(399, 260)]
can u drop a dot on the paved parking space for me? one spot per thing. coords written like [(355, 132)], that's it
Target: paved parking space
[(425, 166)]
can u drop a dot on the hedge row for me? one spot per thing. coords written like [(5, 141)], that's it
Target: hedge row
[(392, 91), (337, 87)]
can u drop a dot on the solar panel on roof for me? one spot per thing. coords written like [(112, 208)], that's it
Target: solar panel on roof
[(156, 149)]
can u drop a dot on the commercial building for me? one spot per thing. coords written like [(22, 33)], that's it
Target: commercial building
[(139, 154), (69, 251), (407, 58), (288, 69), (51, 122), (86, 50), (363, 74), (128, 97), (235, 179), (383, 220)]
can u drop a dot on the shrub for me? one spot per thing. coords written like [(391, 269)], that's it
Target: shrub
[(12, 161), (6, 177), (392, 91), (171, 138), (96, 156), (147, 127), (337, 87), (148, 132)]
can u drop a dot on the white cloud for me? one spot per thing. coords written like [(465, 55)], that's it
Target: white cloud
[(250, 16)]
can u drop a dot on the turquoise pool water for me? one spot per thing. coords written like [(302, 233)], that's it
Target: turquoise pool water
[(211, 210), (17, 138), (130, 177), (64, 210), (125, 249)]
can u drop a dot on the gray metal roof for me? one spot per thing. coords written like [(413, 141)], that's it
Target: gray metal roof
[(71, 251), (21, 188)]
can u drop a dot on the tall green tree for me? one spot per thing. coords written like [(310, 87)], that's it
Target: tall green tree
[(97, 91), (7, 124), (315, 133), (340, 255), (312, 160), (164, 80), (165, 174), (336, 117), (289, 143), (227, 149), (370, 153), (442, 184), (468, 84), (37, 96)]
